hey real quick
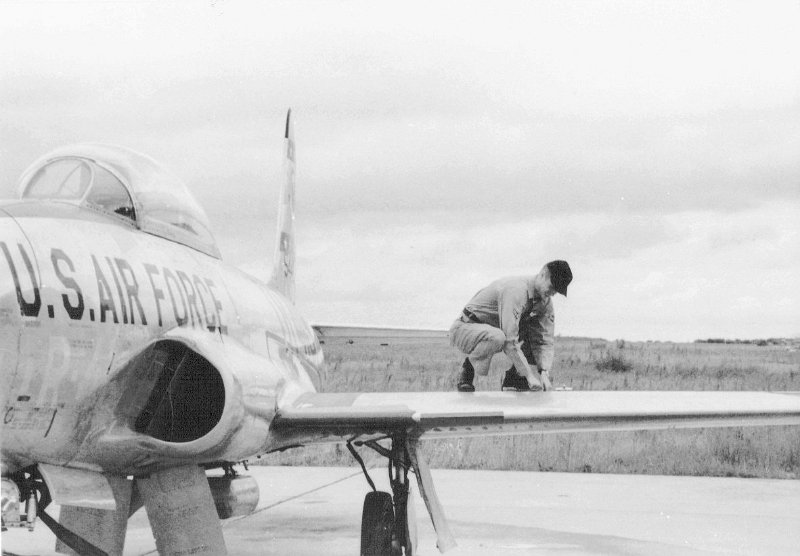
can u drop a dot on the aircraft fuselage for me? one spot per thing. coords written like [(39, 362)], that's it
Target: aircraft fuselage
[(82, 297)]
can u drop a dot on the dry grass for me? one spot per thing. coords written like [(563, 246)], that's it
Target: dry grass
[(586, 364)]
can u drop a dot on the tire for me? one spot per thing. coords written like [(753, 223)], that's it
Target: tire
[(377, 522)]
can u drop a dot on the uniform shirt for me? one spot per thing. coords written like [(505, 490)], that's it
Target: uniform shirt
[(506, 301), (537, 328)]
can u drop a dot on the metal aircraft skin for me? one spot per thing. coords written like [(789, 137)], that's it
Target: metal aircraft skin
[(131, 354)]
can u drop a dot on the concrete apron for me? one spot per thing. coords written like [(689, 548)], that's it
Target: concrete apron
[(306, 511)]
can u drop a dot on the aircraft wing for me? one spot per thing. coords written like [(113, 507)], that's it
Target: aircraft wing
[(320, 417), (329, 331)]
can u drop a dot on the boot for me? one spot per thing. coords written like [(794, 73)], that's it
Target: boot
[(515, 382), (466, 377)]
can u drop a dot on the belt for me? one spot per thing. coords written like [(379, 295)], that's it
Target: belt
[(471, 317)]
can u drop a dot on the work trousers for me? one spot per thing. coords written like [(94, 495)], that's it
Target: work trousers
[(479, 342)]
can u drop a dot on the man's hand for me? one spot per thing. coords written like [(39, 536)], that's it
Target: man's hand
[(513, 351), (534, 383), (546, 380)]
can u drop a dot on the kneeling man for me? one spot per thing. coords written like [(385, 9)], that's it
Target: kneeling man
[(513, 315)]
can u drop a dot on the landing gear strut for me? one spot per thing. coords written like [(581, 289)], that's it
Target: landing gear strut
[(388, 521), (405, 522)]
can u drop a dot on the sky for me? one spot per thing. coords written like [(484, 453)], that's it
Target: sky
[(440, 145)]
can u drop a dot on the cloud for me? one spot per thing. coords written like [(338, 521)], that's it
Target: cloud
[(654, 147), (680, 284)]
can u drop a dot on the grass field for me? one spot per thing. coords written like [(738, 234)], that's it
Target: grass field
[(585, 364)]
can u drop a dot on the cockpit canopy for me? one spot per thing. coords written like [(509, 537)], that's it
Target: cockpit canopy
[(122, 183)]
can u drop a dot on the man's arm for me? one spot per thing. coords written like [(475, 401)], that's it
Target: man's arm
[(537, 332), (511, 304), (513, 350)]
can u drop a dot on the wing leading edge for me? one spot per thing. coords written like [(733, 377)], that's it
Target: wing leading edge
[(335, 417)]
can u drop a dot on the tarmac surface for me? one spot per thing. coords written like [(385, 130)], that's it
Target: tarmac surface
[(317, 510)]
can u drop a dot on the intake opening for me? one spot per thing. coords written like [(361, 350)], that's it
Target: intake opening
[(187, 399)]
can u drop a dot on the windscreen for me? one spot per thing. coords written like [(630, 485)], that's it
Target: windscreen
[(81, 181), (65, 179)]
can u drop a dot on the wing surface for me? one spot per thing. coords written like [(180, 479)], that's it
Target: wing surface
[(319, 417)]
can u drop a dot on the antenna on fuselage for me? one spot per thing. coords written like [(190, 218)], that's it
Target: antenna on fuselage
[(282, 279)]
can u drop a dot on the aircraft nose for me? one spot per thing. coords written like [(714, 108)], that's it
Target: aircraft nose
[(15, 288), (19, 281)]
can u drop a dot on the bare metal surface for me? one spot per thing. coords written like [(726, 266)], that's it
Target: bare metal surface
[(444, 535), (444, 414), (105, 529), (78, 487), (181, 512)]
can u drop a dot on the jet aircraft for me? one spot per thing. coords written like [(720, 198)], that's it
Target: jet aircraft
[(134, 360)]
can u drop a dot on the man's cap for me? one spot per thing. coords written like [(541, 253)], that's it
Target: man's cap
[(560, 276)]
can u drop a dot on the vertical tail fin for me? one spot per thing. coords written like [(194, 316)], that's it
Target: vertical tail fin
[(282, 279)]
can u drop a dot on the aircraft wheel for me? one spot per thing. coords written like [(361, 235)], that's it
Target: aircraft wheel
[(377, 522)]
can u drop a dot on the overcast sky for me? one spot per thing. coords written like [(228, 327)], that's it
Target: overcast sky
[(655, 146)]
